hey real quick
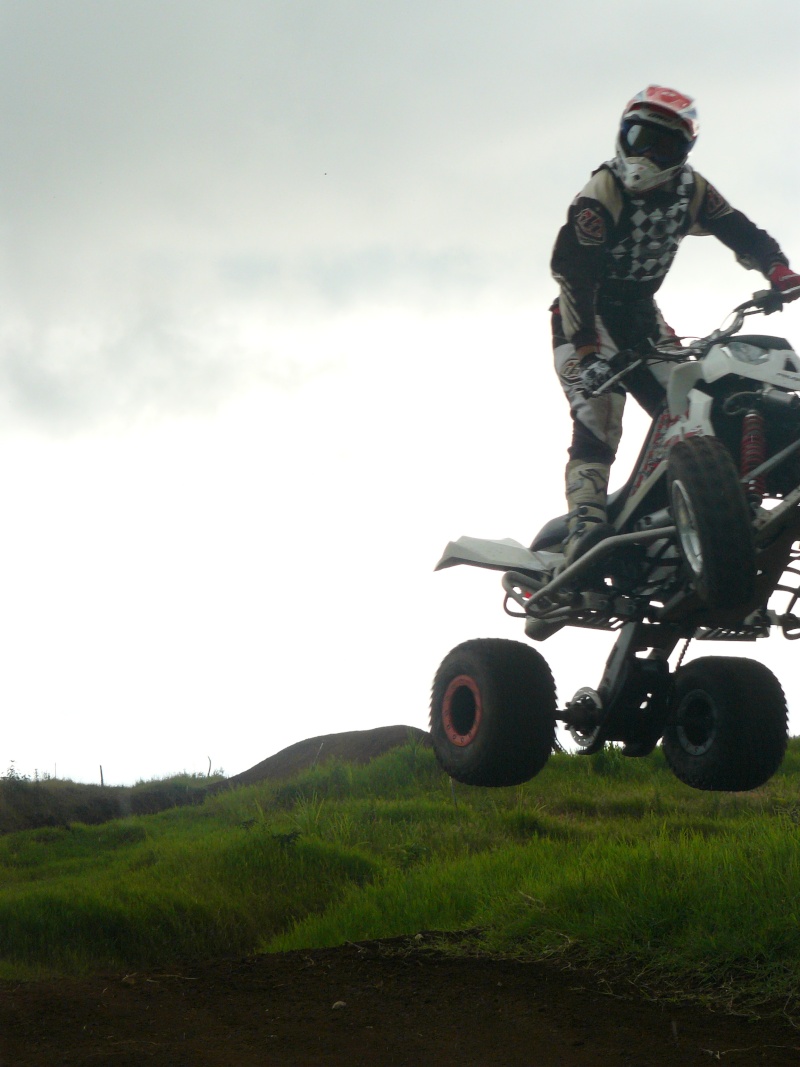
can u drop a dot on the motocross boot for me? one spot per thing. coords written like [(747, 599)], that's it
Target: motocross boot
[(587, 522)]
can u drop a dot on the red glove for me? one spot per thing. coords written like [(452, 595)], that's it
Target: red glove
[(786, 281)]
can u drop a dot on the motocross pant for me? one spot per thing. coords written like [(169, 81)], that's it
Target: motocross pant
[(597, 421)]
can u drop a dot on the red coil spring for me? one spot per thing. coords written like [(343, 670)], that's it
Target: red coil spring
[(754, 452)]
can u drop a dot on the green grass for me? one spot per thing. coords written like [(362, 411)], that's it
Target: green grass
[(27, 803), (602, 862)]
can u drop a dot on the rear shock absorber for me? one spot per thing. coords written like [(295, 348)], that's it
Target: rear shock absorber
[(753, 454)]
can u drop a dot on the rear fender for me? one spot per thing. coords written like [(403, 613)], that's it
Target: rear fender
[(504, 555)]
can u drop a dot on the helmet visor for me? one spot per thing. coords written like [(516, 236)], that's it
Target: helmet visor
[(666, 148)]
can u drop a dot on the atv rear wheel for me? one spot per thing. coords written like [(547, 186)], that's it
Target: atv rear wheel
[(727, 725), (493, 712), (713, 521)]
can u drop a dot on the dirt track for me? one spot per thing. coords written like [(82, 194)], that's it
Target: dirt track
[(366, 1004)]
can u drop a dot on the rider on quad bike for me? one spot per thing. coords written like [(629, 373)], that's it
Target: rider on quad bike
[(610, 258)]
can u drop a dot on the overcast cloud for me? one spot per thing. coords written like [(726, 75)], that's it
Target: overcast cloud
[(167, 169)]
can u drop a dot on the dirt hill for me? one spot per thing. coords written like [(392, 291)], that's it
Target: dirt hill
[(28, 805), (353, 746)]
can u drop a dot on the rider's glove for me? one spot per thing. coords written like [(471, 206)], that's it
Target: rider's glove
[(786, 281), (595, 372)]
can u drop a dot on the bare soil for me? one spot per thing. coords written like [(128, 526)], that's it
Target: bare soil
[(388, 1003)]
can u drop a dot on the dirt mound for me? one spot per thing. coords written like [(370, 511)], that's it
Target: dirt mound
[(353, 746), (27, 805)]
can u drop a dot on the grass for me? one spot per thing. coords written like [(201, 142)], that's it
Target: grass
[(602, 862), (27, 803)]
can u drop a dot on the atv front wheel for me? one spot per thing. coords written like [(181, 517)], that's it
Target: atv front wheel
[(712, 518), (727, 725), (493, 712)]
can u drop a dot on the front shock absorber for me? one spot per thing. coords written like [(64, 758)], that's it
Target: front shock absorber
[(753, 454)]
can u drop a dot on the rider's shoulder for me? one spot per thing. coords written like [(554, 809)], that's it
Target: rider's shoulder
[(700, 183), (604, 188), (705, 199)]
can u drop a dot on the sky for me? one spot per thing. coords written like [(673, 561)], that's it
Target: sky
[(274, 279)]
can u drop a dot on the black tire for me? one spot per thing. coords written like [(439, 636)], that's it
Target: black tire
[(728, 724), (715, 533), (493, 712)]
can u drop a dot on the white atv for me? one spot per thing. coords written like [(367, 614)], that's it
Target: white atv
[(707, 537)]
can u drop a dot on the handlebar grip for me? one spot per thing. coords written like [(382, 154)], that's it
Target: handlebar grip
[(768, 300)]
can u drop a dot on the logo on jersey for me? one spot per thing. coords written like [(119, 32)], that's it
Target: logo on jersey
[(590, 228), (571, 371)]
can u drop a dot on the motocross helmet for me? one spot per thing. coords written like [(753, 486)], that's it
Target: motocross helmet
[(656, 133)]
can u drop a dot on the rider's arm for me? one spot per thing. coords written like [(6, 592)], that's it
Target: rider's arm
[(754, 248), (578, 255)]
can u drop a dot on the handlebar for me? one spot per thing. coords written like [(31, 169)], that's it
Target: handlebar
[(769, 300), (764, 302)]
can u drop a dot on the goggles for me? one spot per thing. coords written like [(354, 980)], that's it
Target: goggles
[(667, 148)]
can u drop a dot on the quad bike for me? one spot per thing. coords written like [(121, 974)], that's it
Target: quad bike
[(707, 536)]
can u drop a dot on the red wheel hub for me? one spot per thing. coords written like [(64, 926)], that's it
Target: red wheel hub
[(462, 710)]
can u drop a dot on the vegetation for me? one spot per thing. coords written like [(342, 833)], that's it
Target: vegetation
[(604, 862), (31, 802)]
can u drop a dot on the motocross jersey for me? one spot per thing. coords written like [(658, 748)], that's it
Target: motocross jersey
[(616, 247)]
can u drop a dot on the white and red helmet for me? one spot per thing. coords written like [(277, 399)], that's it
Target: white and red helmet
[(656, 133)]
